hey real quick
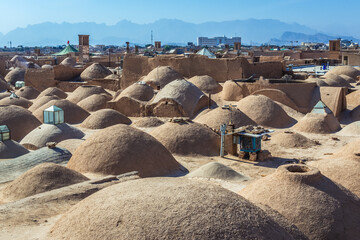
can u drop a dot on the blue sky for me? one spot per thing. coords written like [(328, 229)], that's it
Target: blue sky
[(331, 16)]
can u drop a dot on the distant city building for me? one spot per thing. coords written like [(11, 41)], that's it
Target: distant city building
[(205, 41)]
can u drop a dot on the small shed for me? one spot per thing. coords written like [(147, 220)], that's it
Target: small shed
[(53, 115), (4, 133)]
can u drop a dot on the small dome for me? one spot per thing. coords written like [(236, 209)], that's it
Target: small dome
[(94, 102), (85, 91), (21, 102), (264, 111), (320, 208), (70, 144), (335, 80), (45, 133), (42, 178), (160, 76), (53, 91), (206, 84), (233, 91), (19, 120), (139, 91), (217, 171), (353, 129), (219, 116), (127, 149), (17, 74), (95, 71), (176, 208), (69, 61), (290, 140), (148, 122), (38, 102), (188, 138), (105, 118), (73, 113), (11, 149), (27, 92), (318, 123), (345, 70)]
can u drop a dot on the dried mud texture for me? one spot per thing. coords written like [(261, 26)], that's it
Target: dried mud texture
[(85, 91), (21, 102), (188, 138), (218, 116), (335, 80), (42, 101), (353, 99), (289, 139), (350, 150), (45, 133), (353, 129), (105, 118), (217, 171), (69, 61), (19, 120), (95, 71), (42, 178), (320, 208), (345, 70), (179, 209), (160, 76), (27, 92), (73, 114), (17, 74), (264, 111), (121, 149), (141, 92), (11, 149), (148, 122), (278, 96), (318, 123), (94, 102), (53, 91), (70, 144), (206, 84)]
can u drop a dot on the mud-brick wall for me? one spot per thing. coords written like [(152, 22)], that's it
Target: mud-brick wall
[(40, 78), (220, 69)]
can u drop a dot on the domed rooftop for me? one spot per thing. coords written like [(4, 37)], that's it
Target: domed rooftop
[(27, 92), (179, 98), (206, 84), (70, 144), (69, 61), (139, 91), (11, 149), (320, 208), (289, 139), (264, 111), (218, 116), (53, 91), (160, 76), (349, 151), (217, 171), (19, 120), (127, 149), (94, 102), (353, 129), (336, 80), (38, 102), (85, 91), (318, 123), (17, 74), (21, 102), (42, 178), (73, 113), (188, 138), (345, 70), (94, 71), (147, 122), (105, 118), (179, 209), (45, 133)]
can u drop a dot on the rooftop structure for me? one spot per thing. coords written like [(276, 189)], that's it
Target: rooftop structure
[(205, 41)]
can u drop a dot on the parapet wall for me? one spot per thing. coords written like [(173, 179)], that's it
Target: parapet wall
[(220, 69), (40, 78)]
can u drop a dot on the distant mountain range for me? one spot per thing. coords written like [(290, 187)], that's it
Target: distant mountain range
[(252, 31), (287, 37)]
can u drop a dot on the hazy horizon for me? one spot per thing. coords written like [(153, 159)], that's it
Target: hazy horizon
[(323, 17)]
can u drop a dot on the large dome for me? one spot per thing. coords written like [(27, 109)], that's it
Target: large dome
[(27, 92), (139, 91), (320, 208), (318, 123), (166, 208), (17, 74), (120, 149), (264, 111), (105, 118), (53, 91), (188, 138), (160, 76), (95, 71), (85, 91), (19, 120), (206, 84), (345, 70)]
